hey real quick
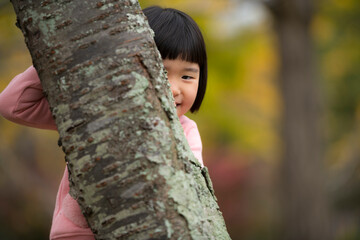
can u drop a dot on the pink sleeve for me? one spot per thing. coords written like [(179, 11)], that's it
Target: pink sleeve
[(23, 101), (193, 137), (194, 140)]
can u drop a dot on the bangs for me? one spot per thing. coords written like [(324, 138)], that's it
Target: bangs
[(177, 36)]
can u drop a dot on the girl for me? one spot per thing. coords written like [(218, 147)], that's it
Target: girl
[(182, 48)]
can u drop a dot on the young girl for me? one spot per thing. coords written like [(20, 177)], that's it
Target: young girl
[(182, 48)]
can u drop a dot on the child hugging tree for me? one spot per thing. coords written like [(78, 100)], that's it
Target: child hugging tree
[(182, 48)]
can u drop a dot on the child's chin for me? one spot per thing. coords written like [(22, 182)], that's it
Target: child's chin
[(178, 111)]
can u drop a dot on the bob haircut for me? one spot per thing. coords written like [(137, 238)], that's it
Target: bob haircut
[(178, 36)]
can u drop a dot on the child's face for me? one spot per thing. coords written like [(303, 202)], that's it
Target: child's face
[(184, 81)]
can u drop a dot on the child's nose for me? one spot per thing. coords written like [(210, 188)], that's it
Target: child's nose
[(174, 88)]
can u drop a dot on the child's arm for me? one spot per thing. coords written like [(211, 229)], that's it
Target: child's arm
[(23, 101), (193, 137), (195, 144)]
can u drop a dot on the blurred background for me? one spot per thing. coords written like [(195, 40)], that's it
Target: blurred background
[(240, 121)]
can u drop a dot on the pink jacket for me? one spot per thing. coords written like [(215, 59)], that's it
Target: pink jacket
[(23, 102)]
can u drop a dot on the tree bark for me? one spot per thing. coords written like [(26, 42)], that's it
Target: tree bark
[(305, 212), (131, 169)]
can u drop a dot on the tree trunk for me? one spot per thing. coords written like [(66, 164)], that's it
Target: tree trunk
[(131, 169), (305, 211)]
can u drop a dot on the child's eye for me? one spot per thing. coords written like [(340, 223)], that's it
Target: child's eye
[(187, 77)]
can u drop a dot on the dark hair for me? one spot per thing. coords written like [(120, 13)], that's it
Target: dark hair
[(177, 35)]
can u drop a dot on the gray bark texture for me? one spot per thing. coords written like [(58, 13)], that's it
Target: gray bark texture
[(305, 206), (131, 169)]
